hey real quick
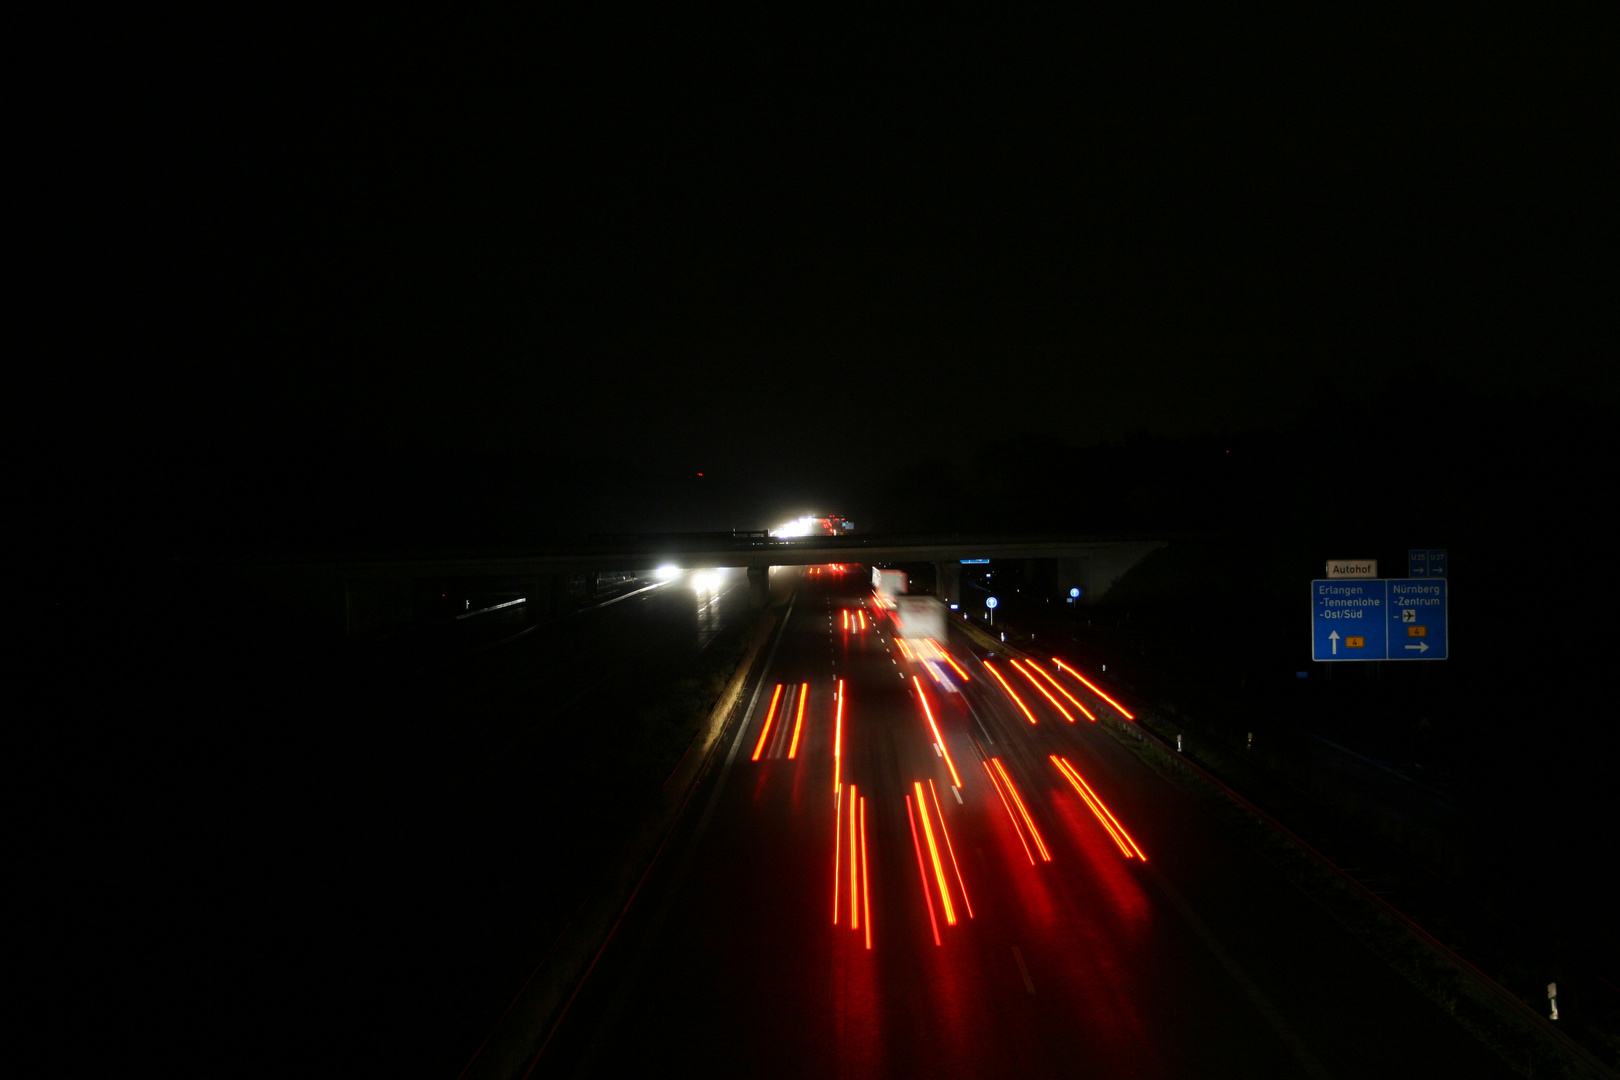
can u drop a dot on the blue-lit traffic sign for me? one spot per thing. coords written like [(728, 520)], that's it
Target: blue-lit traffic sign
[(1426, 562), (1378, 619)]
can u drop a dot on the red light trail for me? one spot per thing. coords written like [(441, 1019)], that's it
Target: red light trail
[(1023, 811), (933, 854), (922, 870), (838, 846), (1024, 671), (1010, 815), (838, 737), (955, 666), (950, 848), (1059, 687), (766, 730), (866, 894), (1122, 839), (943, 749), (1123, 711), (798, 724), (991, 668)]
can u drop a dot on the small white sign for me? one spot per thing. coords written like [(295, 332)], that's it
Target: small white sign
[(1352, 568)]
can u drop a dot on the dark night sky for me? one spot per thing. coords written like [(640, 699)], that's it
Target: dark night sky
[(399, 272)]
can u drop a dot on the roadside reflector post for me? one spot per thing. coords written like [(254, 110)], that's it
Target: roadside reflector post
[(1178, 744), (1251, 740), (1552, 996)]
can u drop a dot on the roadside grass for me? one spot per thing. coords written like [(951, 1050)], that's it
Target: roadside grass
[(665, 726), (563, 917)]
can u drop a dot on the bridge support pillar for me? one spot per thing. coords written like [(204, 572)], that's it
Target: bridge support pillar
[(1076, 574), (1096, 573), (948, 581), (759, 586)]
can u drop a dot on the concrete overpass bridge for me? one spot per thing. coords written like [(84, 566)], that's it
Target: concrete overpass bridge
[(342, 596)]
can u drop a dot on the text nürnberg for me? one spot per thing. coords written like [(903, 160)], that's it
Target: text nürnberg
[(1415, 594)]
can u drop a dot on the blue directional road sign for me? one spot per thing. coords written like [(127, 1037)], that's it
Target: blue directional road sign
[(1426, 562), (1378, 619)]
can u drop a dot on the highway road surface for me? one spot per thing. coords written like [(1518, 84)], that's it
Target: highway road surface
[(917, 859)]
